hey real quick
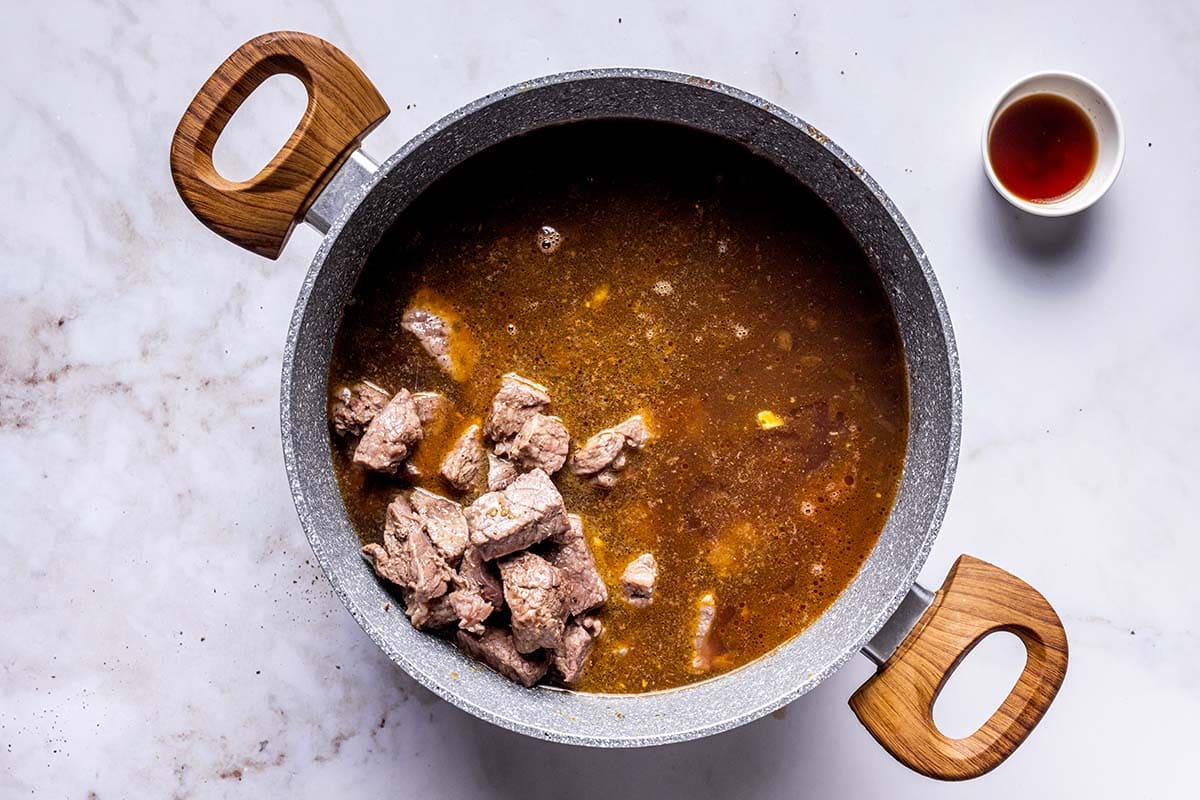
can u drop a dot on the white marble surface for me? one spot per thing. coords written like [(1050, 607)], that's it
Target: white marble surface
[(164, 631)]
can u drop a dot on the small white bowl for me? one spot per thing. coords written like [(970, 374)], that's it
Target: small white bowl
[(1110, 139)]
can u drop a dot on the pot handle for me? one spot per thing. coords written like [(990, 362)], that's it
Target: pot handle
[(343, 107), (896, 704)]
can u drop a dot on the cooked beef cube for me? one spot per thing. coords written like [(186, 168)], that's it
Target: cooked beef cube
[(432, 332), (541, 443), (598, 452), (462, 464), (429, 614), (356, 405), (533, 592), (635, 432), (517, 400), (444, 523), (703, 648), (602, 456), (391, 436), (432, 408), (477, 574), (470, 609), (527, 511), (501, 472), (583, 588), (495, 648), (407, 557), (637, 581), (571, 655)]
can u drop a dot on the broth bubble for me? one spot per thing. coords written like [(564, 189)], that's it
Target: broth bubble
[(549, 239)]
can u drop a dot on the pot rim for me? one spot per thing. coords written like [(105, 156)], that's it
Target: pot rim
[(745, 715)]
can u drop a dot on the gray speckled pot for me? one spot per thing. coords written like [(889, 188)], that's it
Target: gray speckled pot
[(360, 204)]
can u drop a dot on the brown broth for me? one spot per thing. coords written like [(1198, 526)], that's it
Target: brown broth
[(697, 285)]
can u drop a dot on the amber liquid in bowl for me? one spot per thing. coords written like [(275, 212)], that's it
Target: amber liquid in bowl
[(1043, 147)]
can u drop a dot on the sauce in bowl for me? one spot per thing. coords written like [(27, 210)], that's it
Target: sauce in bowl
[(1043, 147)]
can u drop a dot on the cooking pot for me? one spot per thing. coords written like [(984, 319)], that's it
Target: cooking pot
[(916, 637)]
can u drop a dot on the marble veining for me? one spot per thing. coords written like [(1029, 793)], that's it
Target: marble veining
[(165, 630)]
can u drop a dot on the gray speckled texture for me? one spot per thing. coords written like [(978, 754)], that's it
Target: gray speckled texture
[(795, 667)]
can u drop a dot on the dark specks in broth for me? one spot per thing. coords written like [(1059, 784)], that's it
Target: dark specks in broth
[(687, 280)]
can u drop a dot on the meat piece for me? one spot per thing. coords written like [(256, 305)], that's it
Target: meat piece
[(495, 648), (432, 408), (637, 581), (356, 405), (541, 443), (407, 557), (462, 464), (433, 332), (470, 609), (602, 456), (572, 654), (598, 452), (527, 511), (583, 588), (444, 523), (391, 436), (517, 400), (476, 574), (533, 591), (501, 472), (703, 648), (635, 432), (429, 614)]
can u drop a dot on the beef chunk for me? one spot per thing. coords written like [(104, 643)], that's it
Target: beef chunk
[(444, 523), (495, 647), (583, 588), (598, 452), (533, 591), (637, 582), (635, 432), (391, 436), (407, 557), (432, 408), (462, 464), (501, 473), (529, 510), (541, 443), (429, 614), (571, 655), (433, 332), (355, 406), (517, 400), (704, 645), (602, 456), (476, 574), (470, 609)]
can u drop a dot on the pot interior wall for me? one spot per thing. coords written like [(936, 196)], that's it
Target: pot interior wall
[(791, 669)]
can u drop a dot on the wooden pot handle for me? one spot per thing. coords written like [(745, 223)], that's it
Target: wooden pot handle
[(896, 705), (259, 213)]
